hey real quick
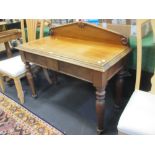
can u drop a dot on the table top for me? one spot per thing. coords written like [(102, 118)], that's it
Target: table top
[(9, 34), (97, 55)]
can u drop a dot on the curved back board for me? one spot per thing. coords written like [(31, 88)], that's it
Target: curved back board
[(86, 31)]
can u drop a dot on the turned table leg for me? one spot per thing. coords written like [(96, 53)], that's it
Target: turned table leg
[(30, 79), (100, 108), (119, 89), (8, 49)]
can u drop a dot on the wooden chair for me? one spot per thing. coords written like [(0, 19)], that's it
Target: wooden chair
[(138, 116), (32, 25), (14, 68)]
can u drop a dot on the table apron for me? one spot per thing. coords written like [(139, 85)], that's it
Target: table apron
[(96, 77), (9, 38)]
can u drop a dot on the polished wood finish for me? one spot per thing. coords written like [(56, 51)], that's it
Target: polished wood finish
[(100, 107), (83, 51), (88, 32), (93, 55)]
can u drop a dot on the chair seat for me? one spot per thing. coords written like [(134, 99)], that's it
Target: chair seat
[(139, 115), (12, 66)]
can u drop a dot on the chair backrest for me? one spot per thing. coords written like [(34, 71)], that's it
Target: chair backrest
[(31, 25), (140, 22)]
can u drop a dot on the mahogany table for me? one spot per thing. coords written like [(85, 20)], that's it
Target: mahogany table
[(83, 51), (8, 35)]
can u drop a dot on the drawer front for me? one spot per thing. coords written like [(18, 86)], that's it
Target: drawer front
[(42, 61), (36, 59), (76, 71), (63, 67), (52, 64)]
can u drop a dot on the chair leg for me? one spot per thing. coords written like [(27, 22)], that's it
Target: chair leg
[(8, 50), (19, 89), (2, 86), (47, 76)]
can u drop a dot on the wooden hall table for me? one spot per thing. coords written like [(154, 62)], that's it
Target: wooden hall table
[(8, 35), (83, 51)]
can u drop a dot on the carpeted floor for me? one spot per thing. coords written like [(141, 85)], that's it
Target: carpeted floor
[(17, 120), (70, 105)]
